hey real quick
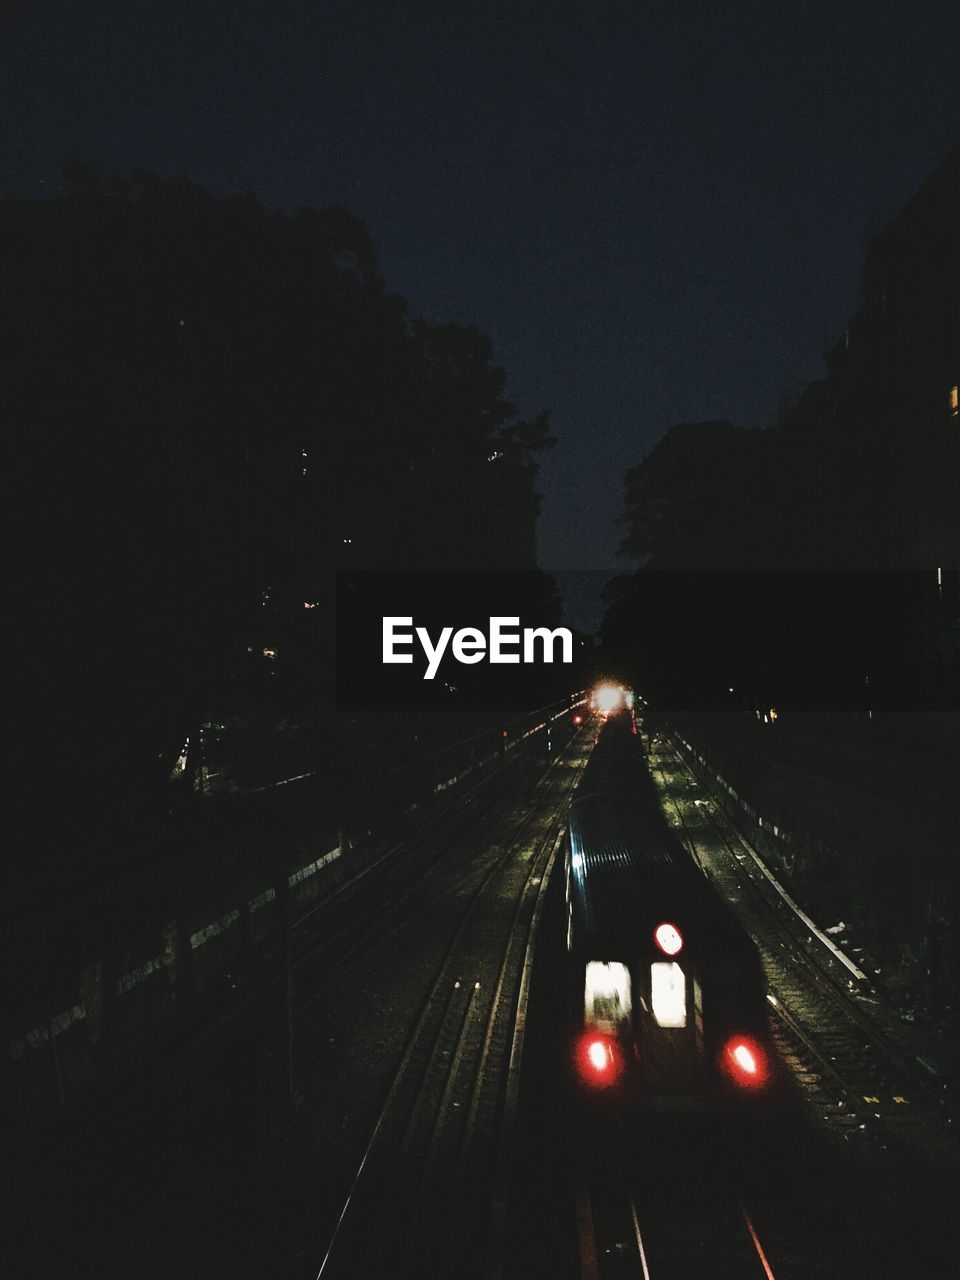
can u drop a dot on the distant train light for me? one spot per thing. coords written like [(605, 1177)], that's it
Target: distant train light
[(608, 697), (669, 939), (599, 1060), (745, 1062)]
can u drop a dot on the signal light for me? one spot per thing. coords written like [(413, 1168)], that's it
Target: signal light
[(745, 1062), (668, 938), (598, 1060), (578, 719)]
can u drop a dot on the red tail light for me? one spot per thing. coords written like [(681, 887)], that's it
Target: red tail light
[(598, 1059), (745, 1062)]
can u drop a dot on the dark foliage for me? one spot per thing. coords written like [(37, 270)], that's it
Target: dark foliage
[(210, 408)]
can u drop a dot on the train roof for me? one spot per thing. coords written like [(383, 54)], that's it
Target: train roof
[(628, 870)]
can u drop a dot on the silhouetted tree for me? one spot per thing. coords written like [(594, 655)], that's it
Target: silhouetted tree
[(211, 407)]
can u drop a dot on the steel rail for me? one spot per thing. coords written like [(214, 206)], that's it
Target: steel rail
[(821, 981), (755, 1240), (496, 1237), (441, 972), (639, 1238), (546, 849)]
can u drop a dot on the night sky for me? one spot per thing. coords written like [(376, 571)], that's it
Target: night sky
[(657, 210)]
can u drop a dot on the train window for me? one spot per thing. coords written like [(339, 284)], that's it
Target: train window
[(607, 999), (668, 994)]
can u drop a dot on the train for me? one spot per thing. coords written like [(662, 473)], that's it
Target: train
[(667, 999)]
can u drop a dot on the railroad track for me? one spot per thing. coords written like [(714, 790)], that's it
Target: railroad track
[(843, 1062), (224, 1070), (419, 1203), (329, 934), (685, 1221)]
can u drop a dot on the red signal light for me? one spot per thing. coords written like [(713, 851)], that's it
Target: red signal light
[(578, 719), (598, 1058), (668, 938), (745, 1062)]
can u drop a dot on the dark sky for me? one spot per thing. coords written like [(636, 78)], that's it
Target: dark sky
[(657, 210)]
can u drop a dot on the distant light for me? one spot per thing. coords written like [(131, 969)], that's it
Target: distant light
[(578, 719), (954, 401), (269, 652), (309, 604), (669, 938), (608, 698)]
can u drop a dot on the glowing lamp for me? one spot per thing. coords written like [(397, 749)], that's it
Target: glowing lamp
[(745, 1062), (608, 698), (598, 1060), (668, 938)]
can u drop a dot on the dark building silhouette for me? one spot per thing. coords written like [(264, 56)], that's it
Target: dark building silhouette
[(860, 473), (892, 386)]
